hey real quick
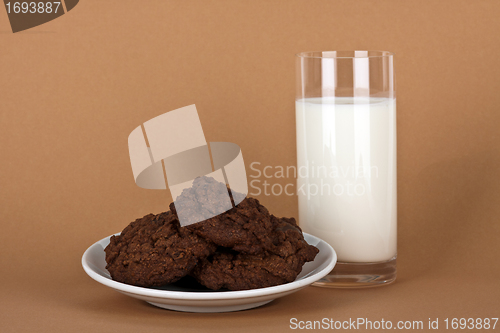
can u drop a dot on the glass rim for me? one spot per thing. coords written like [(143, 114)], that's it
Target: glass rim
[(344, 54)]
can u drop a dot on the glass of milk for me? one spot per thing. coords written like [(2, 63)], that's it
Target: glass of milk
[(346, 161)]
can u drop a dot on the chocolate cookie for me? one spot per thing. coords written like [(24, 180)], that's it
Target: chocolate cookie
[(239, 271), (204, 199), (154, 251), (249, 228), (256, 249)]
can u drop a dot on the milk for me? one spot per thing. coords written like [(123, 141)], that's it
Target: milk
[(346, 158)]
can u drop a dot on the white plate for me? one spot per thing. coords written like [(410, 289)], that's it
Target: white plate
[(178, 298)]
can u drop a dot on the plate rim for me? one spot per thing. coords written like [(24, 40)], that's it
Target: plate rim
[(210, 296)]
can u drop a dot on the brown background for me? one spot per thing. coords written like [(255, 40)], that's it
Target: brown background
[(73, 89)]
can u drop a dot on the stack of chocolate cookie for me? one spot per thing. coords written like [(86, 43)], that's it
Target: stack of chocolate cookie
[(243, 248)]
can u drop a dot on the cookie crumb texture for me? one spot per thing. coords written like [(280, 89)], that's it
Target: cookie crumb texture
[(243, 248)]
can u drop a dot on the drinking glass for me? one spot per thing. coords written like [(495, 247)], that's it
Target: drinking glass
[(346, 161)]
